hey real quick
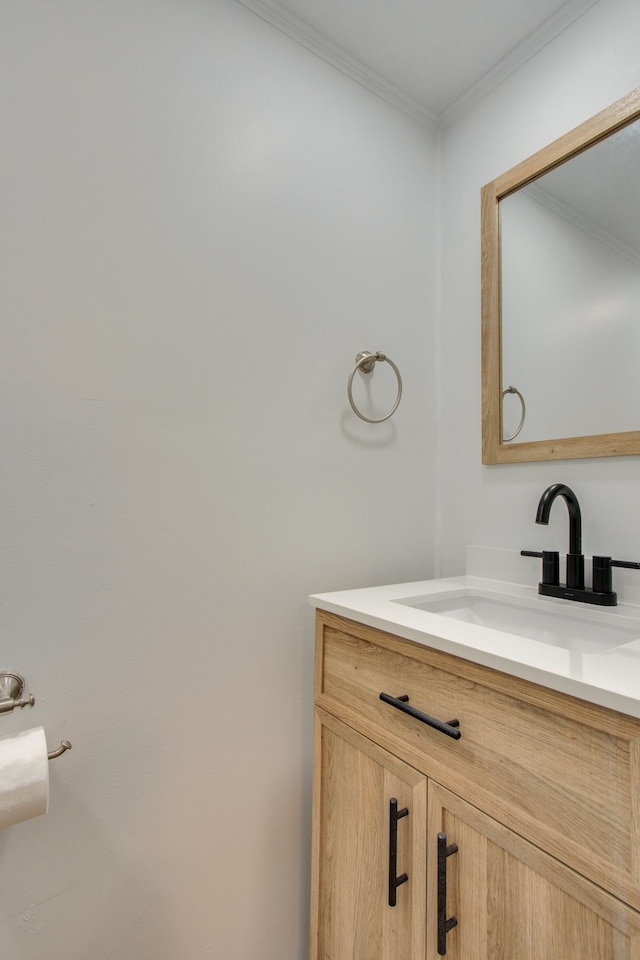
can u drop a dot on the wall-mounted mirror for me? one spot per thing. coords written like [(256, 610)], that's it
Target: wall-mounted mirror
[(561, 297)]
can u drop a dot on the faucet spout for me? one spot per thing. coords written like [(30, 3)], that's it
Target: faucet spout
[(575, 516), (575, 560)]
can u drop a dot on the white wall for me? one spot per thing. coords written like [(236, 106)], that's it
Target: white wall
[(591, 64), (202, 223)]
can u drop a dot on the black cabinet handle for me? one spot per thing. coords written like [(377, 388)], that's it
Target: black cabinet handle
[(400, 703), (444, 924), (394, 879)]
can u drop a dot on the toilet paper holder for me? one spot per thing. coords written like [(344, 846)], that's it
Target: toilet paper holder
[(11, 690), (11, 696)]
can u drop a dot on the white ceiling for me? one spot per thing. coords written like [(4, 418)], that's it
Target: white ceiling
[(430, 57)]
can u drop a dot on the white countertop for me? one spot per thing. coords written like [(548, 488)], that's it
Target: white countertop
[(610, 678)]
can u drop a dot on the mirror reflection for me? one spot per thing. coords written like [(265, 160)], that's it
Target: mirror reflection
[(570, 288), (561, 296)]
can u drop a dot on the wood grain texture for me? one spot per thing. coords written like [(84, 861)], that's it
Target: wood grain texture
[(491, 339), (515, 902), (626, 443), (351, 917), (559, 771)]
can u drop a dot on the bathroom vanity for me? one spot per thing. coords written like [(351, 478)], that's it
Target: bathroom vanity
[(499, 819)]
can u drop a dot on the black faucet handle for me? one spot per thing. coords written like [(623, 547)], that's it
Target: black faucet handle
[(602, 580), (550, 564)]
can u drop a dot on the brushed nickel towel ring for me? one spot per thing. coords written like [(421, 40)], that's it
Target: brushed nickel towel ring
[(524, 413), (366, 361)]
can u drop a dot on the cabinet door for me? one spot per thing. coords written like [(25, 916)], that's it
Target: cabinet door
[(511, 900), (354, 784)]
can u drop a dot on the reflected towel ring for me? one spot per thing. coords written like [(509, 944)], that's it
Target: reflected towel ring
[(366, 361), (524, 412)]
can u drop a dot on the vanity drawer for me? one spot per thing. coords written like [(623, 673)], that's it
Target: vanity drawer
[(559, 771)]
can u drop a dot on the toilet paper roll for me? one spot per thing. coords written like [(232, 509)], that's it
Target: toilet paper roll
[(24, 777)]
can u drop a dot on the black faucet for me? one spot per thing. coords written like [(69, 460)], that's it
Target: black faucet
[(601, 591), (575, 558)]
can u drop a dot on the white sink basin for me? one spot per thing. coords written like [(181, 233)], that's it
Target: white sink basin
[(589, 630)]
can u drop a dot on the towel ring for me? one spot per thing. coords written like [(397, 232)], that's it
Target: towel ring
[(366, 361), (524, 413)]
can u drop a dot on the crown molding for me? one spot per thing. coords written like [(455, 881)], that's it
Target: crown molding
[(516, 58), (295, 28), (576, 219), (317, 43)]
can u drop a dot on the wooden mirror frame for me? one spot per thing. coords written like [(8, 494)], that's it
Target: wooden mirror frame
[(494, 450)]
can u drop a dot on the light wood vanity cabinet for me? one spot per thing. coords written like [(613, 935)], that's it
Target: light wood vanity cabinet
[(358, 781), (539, 795)]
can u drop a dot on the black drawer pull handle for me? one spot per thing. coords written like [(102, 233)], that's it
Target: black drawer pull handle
[(400, 703), (444, 924), (394, 879)]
